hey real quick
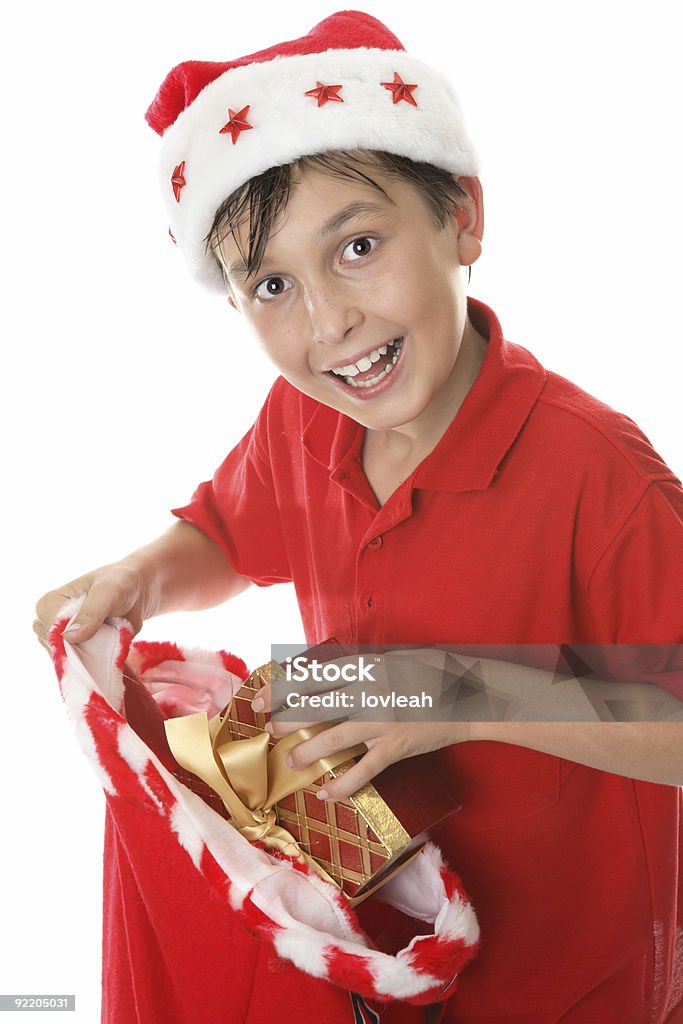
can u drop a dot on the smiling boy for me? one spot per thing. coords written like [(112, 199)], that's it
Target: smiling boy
[(422, 480), (376, 326)]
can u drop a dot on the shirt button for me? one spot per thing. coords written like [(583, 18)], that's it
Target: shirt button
[(375, 543), (369, 602)]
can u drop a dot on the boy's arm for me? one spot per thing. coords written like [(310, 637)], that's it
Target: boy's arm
[(183, 569), (651, 751), (551, 712), (648, 750)]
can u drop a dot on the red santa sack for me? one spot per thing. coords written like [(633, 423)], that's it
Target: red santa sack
[(202, 927)]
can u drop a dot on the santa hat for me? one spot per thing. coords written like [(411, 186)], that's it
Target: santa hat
[(302, 918), (347, 84)]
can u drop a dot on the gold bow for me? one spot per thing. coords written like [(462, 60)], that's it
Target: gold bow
[(249, 779)]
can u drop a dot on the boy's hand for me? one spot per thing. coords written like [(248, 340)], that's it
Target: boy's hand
[(387, 742), (116, 589), (183, 569)]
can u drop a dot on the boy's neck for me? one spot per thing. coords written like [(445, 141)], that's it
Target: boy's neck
[(413, 441)]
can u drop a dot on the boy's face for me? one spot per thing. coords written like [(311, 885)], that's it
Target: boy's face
[(347, 272)]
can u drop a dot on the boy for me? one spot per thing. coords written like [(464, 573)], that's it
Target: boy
[(421, 480)]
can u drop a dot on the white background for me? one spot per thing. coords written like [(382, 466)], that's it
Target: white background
[(125, 383)]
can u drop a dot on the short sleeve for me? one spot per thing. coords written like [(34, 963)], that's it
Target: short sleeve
[(238, 510), (636, 588)]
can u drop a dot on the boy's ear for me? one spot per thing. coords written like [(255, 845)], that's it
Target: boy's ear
[(231, 297), (226, 281), (469, 215)]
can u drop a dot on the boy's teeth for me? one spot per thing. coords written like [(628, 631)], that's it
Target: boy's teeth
[(383, 373), (366, 361)]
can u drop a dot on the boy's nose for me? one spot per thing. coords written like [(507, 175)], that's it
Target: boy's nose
[(332, 314)]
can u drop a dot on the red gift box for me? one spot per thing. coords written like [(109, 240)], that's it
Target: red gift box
[(359, 842)]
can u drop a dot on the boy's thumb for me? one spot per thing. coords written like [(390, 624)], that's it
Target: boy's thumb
[(81, 629)]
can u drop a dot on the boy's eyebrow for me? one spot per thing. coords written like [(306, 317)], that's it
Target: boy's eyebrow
[(238, 268), (342, 216)]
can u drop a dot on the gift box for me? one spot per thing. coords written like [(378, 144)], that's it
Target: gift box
[(358, 843)]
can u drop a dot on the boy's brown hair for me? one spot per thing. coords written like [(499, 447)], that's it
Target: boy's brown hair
[(259, 201)]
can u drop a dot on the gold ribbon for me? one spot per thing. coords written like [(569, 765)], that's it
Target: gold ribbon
[(249, 779)]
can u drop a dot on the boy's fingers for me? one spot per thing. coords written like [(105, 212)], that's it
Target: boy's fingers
[(40, 631), (277, 728), (101, 600), (328, 742), (112, 590), (41, 635), (261, 701), (370, 765), (47, 610), (82, 628)]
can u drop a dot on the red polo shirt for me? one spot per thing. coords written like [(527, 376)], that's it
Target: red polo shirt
[(542, 516)]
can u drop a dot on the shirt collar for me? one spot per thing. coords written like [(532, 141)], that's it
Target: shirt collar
[(474, 444)]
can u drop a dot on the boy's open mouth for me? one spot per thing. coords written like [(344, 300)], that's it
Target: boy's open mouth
[(371, 369)]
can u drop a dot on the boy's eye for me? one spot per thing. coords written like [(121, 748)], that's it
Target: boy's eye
[(360, 247), (271, 288)]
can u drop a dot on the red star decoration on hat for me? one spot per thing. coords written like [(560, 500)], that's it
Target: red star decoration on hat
[(177, 180), (325, 93), (172, 236), (400, 89), (238, 123)]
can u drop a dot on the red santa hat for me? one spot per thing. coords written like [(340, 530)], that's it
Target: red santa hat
[(347, 84)]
